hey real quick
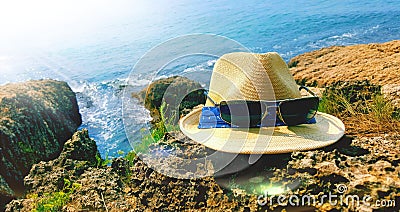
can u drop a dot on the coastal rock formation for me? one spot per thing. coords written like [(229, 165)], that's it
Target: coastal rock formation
[(360, 166), (129, 184), (36, 118), (177, 92), (378, 63), (79, 153)]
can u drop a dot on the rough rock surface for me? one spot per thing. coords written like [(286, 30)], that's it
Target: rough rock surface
[(177, 92), (378, 63), (128, 185), (6, 194), (392, 92), (358, 166), (78, 155), (36, 118)]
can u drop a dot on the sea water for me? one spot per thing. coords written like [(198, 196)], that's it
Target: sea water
[(95, 56)]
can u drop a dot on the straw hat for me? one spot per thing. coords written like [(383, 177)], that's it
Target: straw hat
[(250, 76)]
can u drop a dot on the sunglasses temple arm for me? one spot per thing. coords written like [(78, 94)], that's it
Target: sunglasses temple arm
[(308, 90), (209, 98)]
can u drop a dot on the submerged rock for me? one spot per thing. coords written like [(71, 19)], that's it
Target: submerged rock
[(36, 118)]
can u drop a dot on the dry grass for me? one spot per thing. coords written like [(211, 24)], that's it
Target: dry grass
[(362, 108)]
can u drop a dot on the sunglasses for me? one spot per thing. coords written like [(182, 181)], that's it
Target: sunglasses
[(249, 113)]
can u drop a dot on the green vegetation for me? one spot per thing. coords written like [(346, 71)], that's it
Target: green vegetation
[(339, 103), (157, 132), (101, 162), (336, 103), (362, 107), (293, 64), (130, 157), (57, 200), (382, 110), (26, 148)]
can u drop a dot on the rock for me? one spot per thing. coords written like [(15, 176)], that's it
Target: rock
[(360, 166), (23, 205), (378, 63), (327, 167), (79, 153), (178, 155), (177, 92), (392, 93), (36, 118), (6, 193), (4, 188), (128, 185), (81, 148)]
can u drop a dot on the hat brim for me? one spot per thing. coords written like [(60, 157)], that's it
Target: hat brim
[(265, 140)]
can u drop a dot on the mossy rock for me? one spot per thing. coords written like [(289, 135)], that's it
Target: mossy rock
[(179, 93), (36, 118)]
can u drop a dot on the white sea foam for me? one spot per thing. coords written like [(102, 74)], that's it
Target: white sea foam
[(203, 67), (101, 107)]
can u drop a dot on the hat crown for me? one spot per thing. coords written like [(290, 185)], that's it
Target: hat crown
[(242, 75)]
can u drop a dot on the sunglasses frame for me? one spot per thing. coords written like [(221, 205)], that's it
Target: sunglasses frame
[(277, 103)]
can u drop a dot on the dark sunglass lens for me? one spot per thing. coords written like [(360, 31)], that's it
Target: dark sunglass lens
[(241, 113), (298, 111)]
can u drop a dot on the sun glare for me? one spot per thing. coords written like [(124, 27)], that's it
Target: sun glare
[(37, 22)]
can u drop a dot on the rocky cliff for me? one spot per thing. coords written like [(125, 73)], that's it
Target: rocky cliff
[(36, 118), (377, 63)]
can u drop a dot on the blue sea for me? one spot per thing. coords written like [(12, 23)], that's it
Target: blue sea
[(94, 46)]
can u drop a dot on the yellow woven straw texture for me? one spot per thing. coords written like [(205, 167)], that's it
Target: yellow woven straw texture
[(249, 76)]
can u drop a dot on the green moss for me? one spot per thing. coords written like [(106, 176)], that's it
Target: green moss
[(57, 200), (25, 147), (81, 165)]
